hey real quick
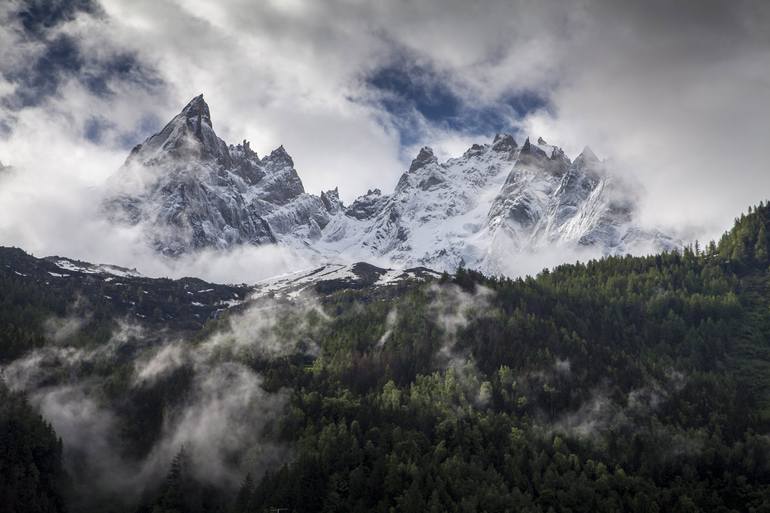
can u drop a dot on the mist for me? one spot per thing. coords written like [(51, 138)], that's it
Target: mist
[(223, 418), (681, 109)]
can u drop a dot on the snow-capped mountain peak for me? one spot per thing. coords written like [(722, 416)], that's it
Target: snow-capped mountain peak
[(424, 158), (505, 143), (191, 190), (587, 156), (188, 136)]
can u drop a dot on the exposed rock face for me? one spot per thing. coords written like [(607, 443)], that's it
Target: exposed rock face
[(190, 190), (495, 202), (331, 200)]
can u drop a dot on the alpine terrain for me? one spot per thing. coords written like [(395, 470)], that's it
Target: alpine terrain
[(637, 384), (190, 190)]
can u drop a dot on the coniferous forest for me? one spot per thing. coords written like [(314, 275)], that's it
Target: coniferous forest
[(638, 384)]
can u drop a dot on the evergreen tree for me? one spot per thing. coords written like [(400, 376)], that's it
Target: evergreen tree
[(31, 473), (761, 251)]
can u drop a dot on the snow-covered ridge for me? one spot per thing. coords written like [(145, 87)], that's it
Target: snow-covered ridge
[(336, 276), (84, 267), (190, 190)]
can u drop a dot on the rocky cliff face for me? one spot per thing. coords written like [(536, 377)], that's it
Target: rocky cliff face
[(190, 190), (493, 203)]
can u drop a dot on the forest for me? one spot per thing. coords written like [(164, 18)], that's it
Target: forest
[(637, 384)]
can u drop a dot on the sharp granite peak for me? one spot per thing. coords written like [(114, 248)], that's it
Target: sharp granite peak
[(190, 190)]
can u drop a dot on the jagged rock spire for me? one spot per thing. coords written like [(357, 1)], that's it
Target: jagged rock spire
[(504, 142), (198, 109), (588, 161), (588, 155), (475, 149), (246, 145), (331, 200), (281, 155), (189, 135), (531, 153), (423, 158)]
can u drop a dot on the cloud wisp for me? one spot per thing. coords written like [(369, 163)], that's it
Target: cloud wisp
[(221, 413), (674, 94)]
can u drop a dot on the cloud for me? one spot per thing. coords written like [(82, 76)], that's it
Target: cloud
[(673, 93), (221, 417), (390, 324), (600, 414), (224, 422), (271, 328), (267, 329), (602, 411), (221, 425), (421, 102), (453, 309), (59, 360)]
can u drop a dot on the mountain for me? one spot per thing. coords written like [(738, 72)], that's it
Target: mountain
[(190, 190), (186, 304), (494, 202), (330, 278), (180, 305), (626, 383)]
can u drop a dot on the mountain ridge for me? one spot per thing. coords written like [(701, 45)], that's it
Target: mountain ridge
[(191, 190), (596, 374)]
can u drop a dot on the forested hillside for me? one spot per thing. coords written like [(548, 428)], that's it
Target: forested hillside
[(31, 474), (634, 384)]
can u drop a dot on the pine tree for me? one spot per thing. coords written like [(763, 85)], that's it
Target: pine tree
[(243, 499), (173, 497), (761, 251)]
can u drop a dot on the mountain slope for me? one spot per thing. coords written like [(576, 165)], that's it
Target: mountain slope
[(93, 293), (190, 190), (622, 384)]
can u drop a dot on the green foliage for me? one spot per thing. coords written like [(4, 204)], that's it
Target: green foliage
[(637, 384), (31, 475), (182, 492), (747, 243), (626, 384)]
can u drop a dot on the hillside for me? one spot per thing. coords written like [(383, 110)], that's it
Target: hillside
[(623, 384)]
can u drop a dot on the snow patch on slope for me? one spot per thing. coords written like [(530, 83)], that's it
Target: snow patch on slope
[(490, 209)]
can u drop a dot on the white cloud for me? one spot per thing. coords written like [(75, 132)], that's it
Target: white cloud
[(219, 419), (674, 93)]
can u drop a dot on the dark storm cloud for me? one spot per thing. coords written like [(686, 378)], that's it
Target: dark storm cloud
[(525, 102), (38, 16), (42, 78), (51, 56), (414, 93)]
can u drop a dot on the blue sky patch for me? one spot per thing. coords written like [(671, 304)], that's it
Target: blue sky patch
[(61, 57), (37, 16), (412, 93), (409, 85)]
